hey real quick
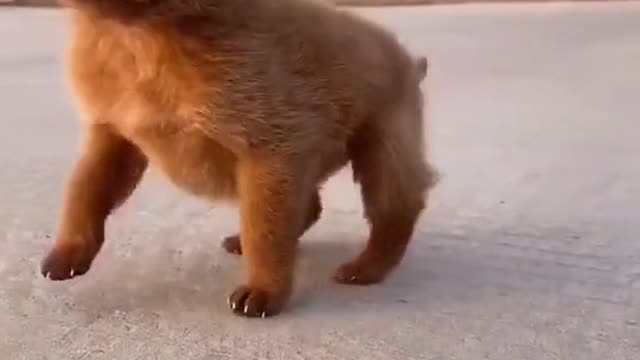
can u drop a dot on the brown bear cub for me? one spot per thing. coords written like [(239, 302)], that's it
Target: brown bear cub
[(258, 101)]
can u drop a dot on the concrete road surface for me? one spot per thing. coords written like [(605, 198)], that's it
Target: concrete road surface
[(530, 250)]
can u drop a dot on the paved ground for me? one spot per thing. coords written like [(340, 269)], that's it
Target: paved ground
[(530, 250)]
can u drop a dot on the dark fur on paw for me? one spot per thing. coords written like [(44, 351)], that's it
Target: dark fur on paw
[(251, 302), (360, 273), (64, 263), (232, 244)]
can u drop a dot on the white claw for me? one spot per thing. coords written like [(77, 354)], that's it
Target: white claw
[(72, 273), (264, 315), (246, 309), (353, 278), (48, 276), (234, 306)]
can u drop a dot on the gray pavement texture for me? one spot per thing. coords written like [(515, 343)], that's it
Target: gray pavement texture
[(530, 249)]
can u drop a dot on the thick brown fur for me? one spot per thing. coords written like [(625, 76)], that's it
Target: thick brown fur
[(255, 100)]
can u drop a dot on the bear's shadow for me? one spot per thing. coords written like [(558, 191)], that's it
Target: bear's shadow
[(166, 281)]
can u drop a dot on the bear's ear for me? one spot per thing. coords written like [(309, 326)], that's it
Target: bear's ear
[(421, 67)]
